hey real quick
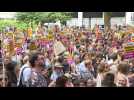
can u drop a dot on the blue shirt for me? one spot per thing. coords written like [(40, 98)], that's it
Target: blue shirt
[(84, 72), (54, 75)]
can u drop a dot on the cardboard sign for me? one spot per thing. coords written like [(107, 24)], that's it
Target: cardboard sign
[(58, 48)]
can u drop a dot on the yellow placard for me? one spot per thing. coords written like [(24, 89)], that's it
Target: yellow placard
[(129, 48), (30, 32), (33, 46), (50, 36), (62, 33)]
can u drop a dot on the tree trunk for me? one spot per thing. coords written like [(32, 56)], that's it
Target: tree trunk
[(107, 20)]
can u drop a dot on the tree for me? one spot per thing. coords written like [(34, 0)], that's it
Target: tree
[(107, 20), (36, 17), (62, 16)]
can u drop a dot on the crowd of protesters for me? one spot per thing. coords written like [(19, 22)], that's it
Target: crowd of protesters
[(97, 60)]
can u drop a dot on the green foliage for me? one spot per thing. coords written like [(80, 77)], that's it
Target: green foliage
[(18, 24), (4, 23), (37, 17), (26, 19)]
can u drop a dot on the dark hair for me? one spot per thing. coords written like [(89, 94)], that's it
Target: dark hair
[(33, 58), (61, 81), (11, 74), (113, 56), (101, 68), (109, 80), (11, 66), (123, 68), (86, 54)]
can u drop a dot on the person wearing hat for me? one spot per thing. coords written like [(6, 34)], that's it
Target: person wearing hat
[(65, 62), (57, 71), (69, 80)]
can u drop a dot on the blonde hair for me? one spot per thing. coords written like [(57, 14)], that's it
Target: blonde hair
[(26, 59)]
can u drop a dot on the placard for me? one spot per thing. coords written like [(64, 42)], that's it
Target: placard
[(129, 49), (58, 48), (129, 55)]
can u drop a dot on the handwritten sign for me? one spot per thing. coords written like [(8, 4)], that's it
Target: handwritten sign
[(58, 48)]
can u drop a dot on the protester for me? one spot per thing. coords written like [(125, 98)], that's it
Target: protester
[(100, 76), (68, 57), (11, 74), (37, 77), (108, 80), (57, 71), (121, 78), (25, 72)]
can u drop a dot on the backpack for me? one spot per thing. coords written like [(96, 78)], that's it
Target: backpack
[(21, 77)]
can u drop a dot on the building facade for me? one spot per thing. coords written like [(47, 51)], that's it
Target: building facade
[(92, 18)]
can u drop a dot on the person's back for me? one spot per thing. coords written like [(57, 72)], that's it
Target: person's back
[(109, 80), (24, 73), (12, 77)]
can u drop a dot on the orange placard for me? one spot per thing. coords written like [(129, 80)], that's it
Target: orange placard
[(30, 32)]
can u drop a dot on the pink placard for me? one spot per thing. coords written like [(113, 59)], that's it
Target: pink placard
[(129, 55)]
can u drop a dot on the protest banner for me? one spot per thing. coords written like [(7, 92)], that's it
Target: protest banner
[(129, 49), (129, 55), (58, 48)]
